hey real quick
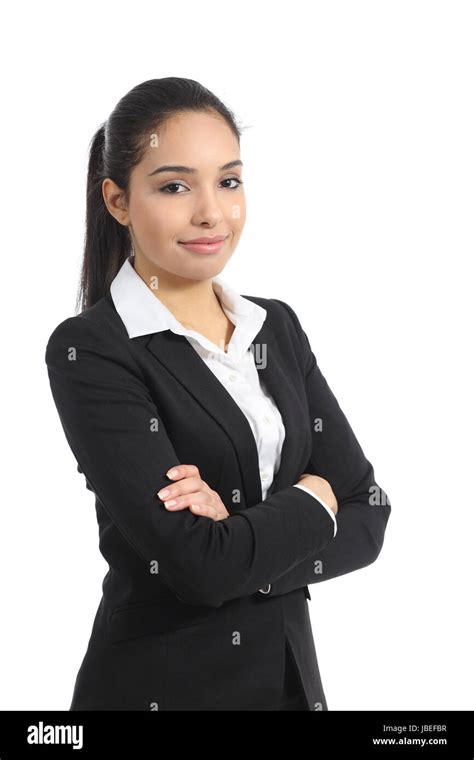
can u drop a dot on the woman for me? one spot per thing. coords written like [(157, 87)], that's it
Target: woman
[(216, 451)]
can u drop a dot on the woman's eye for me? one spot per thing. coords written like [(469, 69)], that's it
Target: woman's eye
[(172, 184), (234, 179), (166, 188)]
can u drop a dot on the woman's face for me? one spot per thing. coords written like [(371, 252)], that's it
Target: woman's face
[(203, 198)]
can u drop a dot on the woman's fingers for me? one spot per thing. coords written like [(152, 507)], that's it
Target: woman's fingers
[(193, 501), (182, 471), (185, 500), (191, 492), (186, 485), (204, 510)]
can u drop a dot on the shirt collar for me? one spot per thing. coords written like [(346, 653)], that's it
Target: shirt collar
[(143, 313)]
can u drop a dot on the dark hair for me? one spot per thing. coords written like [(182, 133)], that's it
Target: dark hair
[(116, 148)]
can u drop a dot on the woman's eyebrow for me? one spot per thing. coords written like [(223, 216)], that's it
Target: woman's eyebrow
[(189, 170)]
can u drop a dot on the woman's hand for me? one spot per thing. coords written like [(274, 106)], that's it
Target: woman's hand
[(321, 488), (192, 493)]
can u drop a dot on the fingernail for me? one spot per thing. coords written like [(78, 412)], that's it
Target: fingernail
[(163, 494), (172, 473), (171, 503)]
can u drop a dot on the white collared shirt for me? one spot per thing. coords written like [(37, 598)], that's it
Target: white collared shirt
[(143, 313)]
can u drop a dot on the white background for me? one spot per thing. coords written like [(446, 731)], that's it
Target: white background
[(359, 181)]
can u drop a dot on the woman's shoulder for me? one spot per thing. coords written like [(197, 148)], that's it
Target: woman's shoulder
[(278, 310), (98, 325)]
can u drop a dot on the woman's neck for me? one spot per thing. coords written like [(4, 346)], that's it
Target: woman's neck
[(193, 303)]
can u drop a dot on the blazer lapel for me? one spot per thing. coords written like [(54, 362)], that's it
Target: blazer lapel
[(175, 352)]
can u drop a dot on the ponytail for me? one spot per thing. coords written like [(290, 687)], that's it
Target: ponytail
[(107, 242)]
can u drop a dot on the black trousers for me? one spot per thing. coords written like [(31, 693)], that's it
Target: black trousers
[(293, 696)]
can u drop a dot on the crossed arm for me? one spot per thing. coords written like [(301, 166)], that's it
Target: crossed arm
[(106, 412), (109, 420)]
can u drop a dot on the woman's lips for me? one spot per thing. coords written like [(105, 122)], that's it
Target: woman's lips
[(204, 247)]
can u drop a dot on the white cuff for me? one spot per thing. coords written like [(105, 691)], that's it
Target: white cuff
[(328, 509)]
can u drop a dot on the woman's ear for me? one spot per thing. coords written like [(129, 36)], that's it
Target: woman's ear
[(114, 199)]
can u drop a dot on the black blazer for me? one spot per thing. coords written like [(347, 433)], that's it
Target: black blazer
[(182, 623)]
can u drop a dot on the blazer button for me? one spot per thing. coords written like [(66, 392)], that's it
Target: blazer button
[(266, 589)]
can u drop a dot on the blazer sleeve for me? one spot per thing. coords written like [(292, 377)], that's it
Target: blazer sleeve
[(363, 507), (118, 438)]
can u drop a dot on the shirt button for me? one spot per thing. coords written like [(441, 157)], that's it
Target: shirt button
[(267, 419), (264, 475), (232, 377)]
